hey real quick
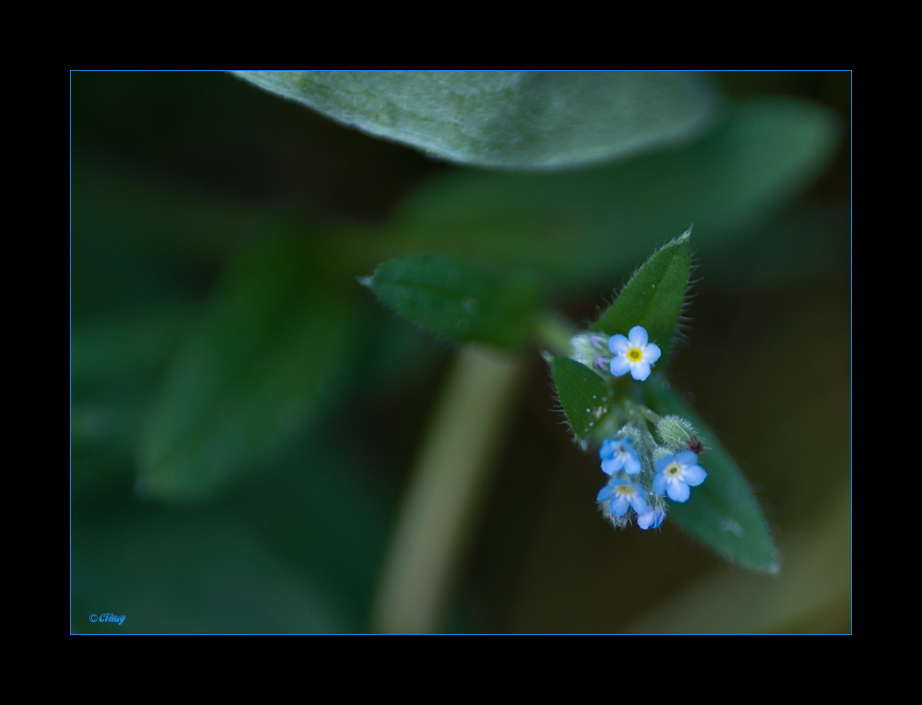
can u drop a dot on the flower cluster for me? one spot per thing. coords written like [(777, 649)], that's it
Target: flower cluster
[(642, 472), (634, 485)]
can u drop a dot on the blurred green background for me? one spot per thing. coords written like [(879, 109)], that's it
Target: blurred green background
[(244, 415)]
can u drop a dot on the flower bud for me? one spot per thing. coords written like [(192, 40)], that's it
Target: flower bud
[(590, 349), (677, 434)]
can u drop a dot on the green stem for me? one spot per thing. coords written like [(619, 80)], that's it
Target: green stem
[(553, 334), (641, 410), (438, 512)]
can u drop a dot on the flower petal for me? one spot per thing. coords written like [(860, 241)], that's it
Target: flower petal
[(605, 493), (651, 353), (638, 336), (651, 519), (607, 451), (694, 475), (632, 465), (618, 344), (678, 491), (640, 371), (611, 466), (620, 365), (638, 502), (619, 505)]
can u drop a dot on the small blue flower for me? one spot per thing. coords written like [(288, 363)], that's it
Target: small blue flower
[(623, 494), (633, 354), (676, 473), (618, 454), (651, 519)]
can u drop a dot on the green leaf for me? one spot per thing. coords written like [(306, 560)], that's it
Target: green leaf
[(582, 393), (461, 300), (250, 377), (654, 296), (111, 349), (579, 229), (508, 119), (722, 513)]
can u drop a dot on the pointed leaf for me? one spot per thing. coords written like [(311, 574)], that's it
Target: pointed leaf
[(654, 296), (461, 300), (582, 394), (508, 119), (722, 513)]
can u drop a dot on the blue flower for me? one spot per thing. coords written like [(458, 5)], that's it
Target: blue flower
[(676, 473), (618, 454), (633, 354), (623, 494), (651, 519)]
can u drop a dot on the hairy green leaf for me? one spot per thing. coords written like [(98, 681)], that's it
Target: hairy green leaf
[(654, 296), (582, 394), (508, 119), (461, 300), (722, 513)]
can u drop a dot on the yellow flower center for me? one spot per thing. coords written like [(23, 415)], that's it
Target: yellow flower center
[(674, 470), (635, 354)]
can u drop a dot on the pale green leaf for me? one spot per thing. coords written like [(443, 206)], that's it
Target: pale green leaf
[(508, 119)]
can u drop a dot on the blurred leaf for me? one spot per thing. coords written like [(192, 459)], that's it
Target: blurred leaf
[(112, 349), (580, 228), (654, 296), (580, 391), (116, 363), (461, 300), (722, 513), (508, 119), (265, 357)]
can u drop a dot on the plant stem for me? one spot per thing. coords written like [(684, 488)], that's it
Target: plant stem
[(437, 516), (553, 334)]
